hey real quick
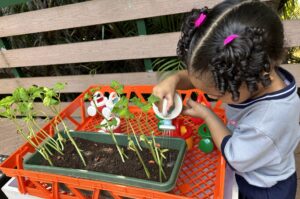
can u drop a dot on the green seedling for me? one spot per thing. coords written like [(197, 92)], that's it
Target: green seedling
[(52, 99), (108, 124), (131, 146), (157, 153), (21, 103)]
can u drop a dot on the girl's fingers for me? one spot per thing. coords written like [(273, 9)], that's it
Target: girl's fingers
[(191, 103), (193, 109), (170, 99), (189, 111)]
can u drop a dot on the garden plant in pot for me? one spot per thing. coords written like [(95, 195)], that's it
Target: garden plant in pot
[(131, 158)]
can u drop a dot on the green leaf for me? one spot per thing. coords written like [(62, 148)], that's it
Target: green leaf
[(7, 101), (35, 92), (122, 103), (116, 110), (30, 106), (137, 101), (87, 96), (59, 86), (124, 113), (50, 93), (117, 87), (146, 107), (54, 102), (47, 101), (113, 122), (23, 108), (32, 89), (23, 94), (93, 90), (16, 95), (6, 113), (98, 126), (153, 99)]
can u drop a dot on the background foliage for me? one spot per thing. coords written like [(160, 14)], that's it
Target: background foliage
[(288, 9)]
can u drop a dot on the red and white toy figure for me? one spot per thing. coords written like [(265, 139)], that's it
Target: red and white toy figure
[(98, 102), (105, 106), (106, 113)]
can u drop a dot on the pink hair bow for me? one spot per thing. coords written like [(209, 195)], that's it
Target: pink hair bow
[(230, 38), (200, 20)]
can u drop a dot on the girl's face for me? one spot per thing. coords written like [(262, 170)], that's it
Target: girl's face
[(205, 83)]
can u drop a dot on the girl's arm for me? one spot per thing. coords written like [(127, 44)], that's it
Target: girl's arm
[(216, 127), (183, 81)]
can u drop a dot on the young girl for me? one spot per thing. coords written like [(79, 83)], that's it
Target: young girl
[(232, 53)]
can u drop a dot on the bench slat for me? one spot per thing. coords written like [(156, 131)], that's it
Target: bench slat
[(292, 33), (78, 83), (157, 45), (92, 13)]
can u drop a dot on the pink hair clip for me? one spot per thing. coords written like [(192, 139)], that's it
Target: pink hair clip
[(230, 38), (200, 20)]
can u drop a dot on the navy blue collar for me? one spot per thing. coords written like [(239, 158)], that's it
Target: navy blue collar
[(280, 94)]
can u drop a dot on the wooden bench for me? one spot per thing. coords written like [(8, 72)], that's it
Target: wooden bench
[(95, 13)]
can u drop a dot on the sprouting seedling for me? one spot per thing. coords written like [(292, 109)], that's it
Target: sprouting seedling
[(51, 99), (145, 107), (157, 153), (108, 125), (160, 156), (131, 146), (121, 108), (21, 102)]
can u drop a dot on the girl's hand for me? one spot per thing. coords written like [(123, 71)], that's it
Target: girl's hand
[(166, 89), (197, 110)]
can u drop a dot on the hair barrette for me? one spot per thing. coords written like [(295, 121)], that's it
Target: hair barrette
[(230, 38), (200, 20)]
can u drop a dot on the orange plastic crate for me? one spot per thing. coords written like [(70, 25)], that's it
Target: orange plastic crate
[(201, 176)]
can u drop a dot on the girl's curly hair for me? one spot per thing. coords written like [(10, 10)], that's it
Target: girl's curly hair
[(247, 59)]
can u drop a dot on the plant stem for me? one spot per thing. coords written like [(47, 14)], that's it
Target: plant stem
[(159, 159), (51, 142), (147, 124), (59, 136), (133, 147), (43, 153), (120, 150), (139, 124), (136, 139), (68, 134)]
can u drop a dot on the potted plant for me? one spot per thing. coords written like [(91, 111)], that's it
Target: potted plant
[(131, 158)]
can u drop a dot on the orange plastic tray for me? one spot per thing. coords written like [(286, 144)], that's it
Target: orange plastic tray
[(201, 176)]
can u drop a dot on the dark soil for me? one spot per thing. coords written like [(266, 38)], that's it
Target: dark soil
[(106, 159)]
